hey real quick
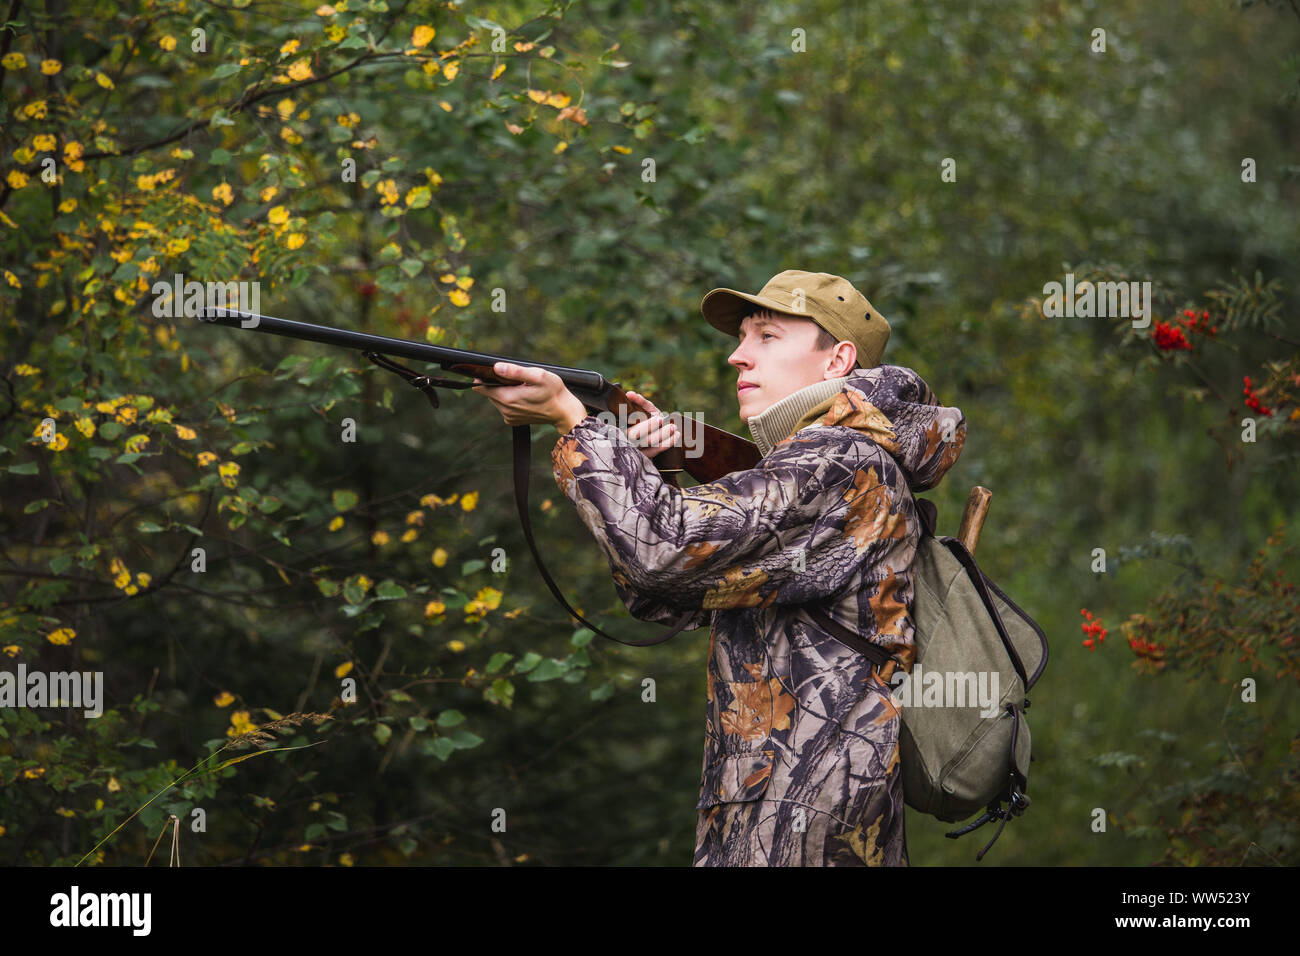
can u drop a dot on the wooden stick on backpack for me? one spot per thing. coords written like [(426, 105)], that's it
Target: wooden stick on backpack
[(972, 519)]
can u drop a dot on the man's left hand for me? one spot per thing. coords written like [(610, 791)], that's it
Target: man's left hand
[(541, 397)]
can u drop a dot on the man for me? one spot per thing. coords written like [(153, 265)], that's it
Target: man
[(801, 747)]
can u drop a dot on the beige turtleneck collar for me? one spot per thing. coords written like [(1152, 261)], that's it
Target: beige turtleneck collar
[(797, 410)]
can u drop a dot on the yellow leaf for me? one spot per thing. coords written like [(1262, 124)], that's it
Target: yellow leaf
[(50, 67), (456, 646), (206, 458), (223, 193), (68, 205), (224, 699), (113, 785), (63, 635), (379, 538), (449, 70), (470, 501), (301, 70), (434, 608), (336, 523), (458, 297), (44, 143), (422, 35), (167, 42), (343, 670), (185, 434), (278, 215), (623, 149), (34, 773), (296, 240), (447, 107), (14, 61), (537, 96), (345, 859), (289, 48), (439, 557), (268, 193), (325, 10), (500, 68), (103, 81), (410, 535)]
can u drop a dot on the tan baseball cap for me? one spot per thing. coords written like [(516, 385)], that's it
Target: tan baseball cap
[(830, 301)]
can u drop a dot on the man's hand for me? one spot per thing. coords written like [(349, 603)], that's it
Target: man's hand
[(653, 435), (540, 398)]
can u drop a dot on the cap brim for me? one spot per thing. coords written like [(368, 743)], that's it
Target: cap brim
[(725, 309)]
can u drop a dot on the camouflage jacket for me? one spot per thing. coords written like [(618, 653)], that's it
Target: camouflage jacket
[(826, 516)]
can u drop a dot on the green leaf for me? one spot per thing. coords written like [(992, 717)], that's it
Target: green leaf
[(498, 661), (604, 692), (418, 724), (26, 468), (528, 662), (148, 527), (344, 500), (442, 748), (548, 669), (464, 740), (582, 637), (219, 157), (226, 69), (503, 691), (111, 430), (60, 563), (353, 42), (469, 567), (450, 718), (389, 591), (327, 587), (412, 267), (35, 506), (382, 733)]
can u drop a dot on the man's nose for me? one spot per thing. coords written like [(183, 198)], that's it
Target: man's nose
[(739, 358)]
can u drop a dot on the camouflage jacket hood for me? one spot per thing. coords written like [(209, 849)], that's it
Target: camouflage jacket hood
[(794, 718)]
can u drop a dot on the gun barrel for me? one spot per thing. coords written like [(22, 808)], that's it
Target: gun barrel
[(419, 351)]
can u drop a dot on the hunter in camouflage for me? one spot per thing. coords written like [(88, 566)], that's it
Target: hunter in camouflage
[(801, 735)]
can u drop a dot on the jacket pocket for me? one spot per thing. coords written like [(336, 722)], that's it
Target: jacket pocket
[(736, 778)]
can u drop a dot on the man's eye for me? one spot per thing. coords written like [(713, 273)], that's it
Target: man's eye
[(766, 334)]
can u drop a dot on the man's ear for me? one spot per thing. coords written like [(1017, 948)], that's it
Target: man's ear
[(844, 357)]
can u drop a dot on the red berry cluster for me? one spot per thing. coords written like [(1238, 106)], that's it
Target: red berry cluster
[(1093, 629), (1201, 324), (1170, 339), (1252, 400), (1149, 649)]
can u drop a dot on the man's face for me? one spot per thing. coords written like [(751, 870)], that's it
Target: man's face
[(776, 357)]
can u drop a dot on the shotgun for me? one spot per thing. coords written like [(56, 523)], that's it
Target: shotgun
[(721, 452)]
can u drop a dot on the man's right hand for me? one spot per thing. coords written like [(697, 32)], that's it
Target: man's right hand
[(654, 435)]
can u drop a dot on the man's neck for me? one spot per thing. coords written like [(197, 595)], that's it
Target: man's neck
[(777, 422)]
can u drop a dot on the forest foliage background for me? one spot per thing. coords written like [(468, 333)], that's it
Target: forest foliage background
[(563, 183)]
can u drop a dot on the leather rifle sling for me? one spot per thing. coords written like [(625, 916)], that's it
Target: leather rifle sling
[(522, 461)]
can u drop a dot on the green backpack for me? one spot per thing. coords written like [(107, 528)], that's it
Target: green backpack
[(957, 758)]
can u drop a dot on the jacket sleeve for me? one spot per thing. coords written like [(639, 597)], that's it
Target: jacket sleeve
[(796, 528)]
